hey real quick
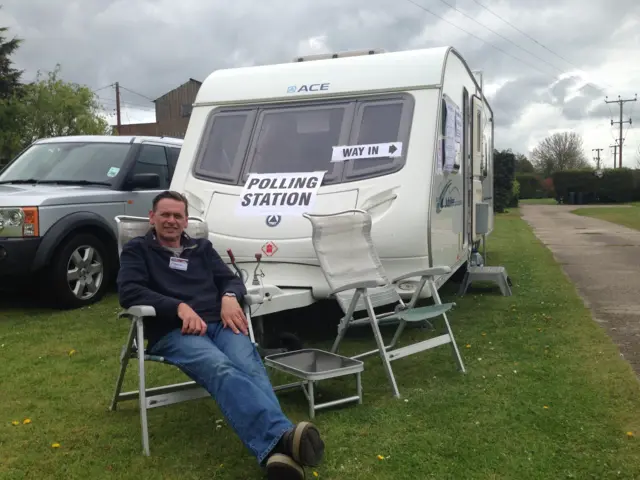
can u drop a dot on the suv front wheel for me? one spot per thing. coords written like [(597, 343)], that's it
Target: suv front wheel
[(79, 273)]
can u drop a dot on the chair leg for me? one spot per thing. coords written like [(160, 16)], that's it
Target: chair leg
[(142, 389), (124, 362), (342, 331), (454, 345), (381, 347)]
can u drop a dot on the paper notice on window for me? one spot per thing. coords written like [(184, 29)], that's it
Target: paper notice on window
[(450, 136), (373, 150), (289, 194)]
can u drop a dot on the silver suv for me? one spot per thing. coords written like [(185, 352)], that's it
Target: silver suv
[(58, 200)]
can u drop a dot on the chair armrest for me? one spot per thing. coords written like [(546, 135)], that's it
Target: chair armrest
[(138, 311), (364, 284), (428, 272)]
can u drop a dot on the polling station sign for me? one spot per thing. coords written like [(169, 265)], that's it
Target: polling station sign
[(279, 193)]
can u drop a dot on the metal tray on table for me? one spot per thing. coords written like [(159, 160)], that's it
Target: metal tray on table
[(313, 364)]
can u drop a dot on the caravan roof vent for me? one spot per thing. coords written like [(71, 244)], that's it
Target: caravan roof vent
[(325, 56)]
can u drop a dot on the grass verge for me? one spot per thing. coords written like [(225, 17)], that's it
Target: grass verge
[(625, 216), (546, 395), (538, 201)]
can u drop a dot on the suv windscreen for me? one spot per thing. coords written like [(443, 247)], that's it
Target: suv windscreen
[(299, 137), (89, 162)]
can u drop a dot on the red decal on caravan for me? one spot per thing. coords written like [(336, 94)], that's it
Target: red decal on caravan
[(269, 248)]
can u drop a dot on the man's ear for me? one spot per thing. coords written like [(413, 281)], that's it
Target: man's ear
[(151, 217)]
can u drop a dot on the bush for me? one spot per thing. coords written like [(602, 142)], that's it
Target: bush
[(530, 185), (504, 167), (615, 185), (548, 188), (515, 194), (636, 183)]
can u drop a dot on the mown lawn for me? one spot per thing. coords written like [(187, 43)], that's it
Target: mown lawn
[(626, 216), (538, 201), (546, 396)]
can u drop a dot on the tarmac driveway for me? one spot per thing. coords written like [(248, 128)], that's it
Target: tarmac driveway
[(603, 261)]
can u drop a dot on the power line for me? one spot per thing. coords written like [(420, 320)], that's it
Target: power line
[(524, 33), (501, 36), (136, 93), (475, 36)]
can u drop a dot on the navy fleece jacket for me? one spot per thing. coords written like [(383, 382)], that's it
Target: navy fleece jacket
[(145, 278)]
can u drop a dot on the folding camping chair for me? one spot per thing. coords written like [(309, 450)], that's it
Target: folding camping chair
[(349, 261), (129, 228)]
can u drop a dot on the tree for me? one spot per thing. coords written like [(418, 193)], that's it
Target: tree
[(559, 152), (503, 179), (523, 165), (52, 107), (10, 93)]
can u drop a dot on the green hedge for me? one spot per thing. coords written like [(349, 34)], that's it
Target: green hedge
[(615, 186), (530, 185), (504, 168)]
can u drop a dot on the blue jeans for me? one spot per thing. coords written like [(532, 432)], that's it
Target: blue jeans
[(229, 367)]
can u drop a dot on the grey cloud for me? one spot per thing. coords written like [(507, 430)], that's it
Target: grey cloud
[(153, 46)]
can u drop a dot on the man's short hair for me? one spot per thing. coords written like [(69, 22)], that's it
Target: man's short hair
[(173, 195)]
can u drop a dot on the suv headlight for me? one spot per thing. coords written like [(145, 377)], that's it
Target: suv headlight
[(19, 222)]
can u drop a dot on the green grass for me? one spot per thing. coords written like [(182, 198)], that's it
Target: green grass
[(538, 201), (537, 348), (628, 217)]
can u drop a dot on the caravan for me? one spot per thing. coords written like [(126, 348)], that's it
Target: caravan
[(406, 136)]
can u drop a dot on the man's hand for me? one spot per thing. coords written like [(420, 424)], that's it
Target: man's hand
[(232, 315), (192, 324)]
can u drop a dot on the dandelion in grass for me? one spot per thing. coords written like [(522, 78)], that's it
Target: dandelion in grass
[(55, 445), (15, 422), (26, 421)]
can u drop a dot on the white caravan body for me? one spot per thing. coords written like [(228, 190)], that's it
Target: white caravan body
[(286, 118)]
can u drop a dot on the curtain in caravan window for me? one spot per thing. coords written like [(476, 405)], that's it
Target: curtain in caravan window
[(380, 124), (221, 150), (296, 139)]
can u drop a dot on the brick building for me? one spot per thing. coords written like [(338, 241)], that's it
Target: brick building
[(173, 110)]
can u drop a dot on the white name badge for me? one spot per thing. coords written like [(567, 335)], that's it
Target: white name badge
[(179, 263)]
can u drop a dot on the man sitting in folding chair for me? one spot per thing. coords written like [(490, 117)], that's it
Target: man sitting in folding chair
[(200, 327)]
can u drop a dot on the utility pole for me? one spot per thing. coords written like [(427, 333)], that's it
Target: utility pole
[(598, 158), (621, 102), (615, 149), (119, 123)]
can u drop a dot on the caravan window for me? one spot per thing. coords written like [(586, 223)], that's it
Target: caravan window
[(378, 122), (298, 139), (224, 145)]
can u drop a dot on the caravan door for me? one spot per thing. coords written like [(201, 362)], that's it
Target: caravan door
[(477, 135)]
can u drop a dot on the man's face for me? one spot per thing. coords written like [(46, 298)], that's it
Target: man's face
[(169, 219)]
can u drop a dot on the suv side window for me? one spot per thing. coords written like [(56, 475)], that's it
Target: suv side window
[(172, 156), (153, 159)]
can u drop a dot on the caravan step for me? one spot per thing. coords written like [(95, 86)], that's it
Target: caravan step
[(497, 275)]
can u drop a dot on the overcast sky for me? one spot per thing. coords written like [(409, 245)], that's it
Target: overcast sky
[(550, 78)]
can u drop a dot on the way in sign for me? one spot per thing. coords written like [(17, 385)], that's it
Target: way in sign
[(373, 150)]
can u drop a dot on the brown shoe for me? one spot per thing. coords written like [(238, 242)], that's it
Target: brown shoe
[(303, 444), (283, 467)]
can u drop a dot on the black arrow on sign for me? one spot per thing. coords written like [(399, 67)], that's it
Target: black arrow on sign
[(392, 149)]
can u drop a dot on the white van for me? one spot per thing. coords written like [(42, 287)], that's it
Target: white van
[(287, 118)]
